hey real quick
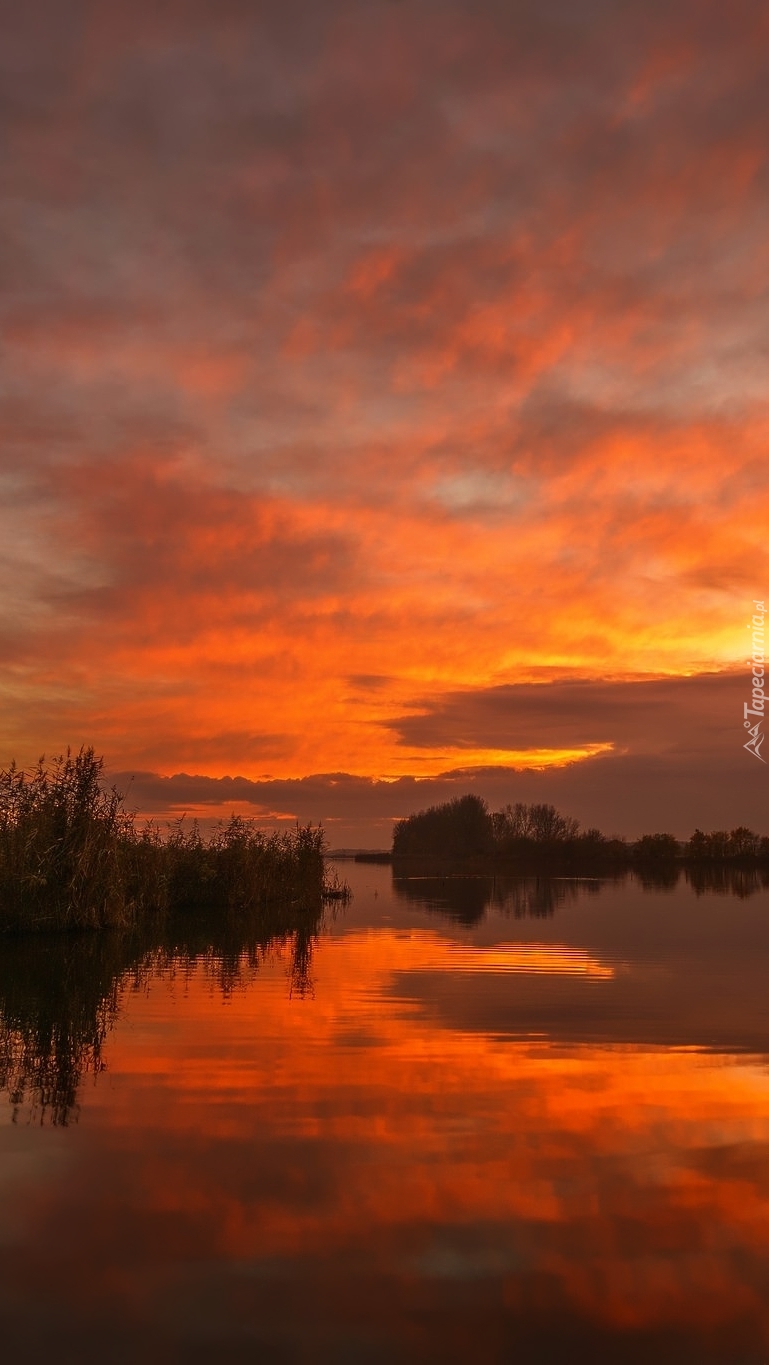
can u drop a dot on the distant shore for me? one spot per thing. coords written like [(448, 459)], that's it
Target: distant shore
[(463, 833)]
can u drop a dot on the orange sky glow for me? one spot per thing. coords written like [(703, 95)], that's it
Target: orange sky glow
[(369, 366)]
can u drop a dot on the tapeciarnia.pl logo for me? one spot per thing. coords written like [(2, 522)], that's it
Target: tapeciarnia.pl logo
[(755, 707)]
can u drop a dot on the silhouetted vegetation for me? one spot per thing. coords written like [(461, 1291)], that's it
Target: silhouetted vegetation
[(71, 857), (537, 824), (460, 829), (723, 846), (463, 833), (657, 848), (538, 835)]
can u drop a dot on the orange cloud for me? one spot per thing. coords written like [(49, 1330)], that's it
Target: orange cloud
[(447, 373)]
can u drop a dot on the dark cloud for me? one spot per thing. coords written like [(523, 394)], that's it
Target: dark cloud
[(681, 715), (625, 794)]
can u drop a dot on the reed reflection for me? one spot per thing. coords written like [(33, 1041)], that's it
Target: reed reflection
[(60, 995)]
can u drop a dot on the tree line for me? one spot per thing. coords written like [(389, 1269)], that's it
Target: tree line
[(464, 830)]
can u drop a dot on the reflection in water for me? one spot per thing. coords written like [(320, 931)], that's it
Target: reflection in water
[(60, 994), (727, 880), (663, 877), (466, 1142), (466, 899), (58, 997)]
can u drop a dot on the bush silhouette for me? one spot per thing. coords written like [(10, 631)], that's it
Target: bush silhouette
[(459, 829)]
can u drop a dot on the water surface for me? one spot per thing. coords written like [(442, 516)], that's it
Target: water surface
[(471, 1121)]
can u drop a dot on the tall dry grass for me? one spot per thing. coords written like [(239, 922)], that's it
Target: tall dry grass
[(72, 857)]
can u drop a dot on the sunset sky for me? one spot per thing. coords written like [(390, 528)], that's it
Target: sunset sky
[(384, 405)]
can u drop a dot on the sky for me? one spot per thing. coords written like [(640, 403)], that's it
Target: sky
[(383, 403)]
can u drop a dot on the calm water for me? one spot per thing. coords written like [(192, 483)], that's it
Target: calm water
[(524, 1122)]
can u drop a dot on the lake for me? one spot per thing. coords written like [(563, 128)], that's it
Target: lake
[(471, 1120)]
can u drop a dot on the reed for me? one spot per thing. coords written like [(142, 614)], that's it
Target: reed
[(72, 857)]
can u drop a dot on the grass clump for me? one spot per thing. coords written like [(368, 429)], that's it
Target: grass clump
[(71, 857), (240, 868)]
